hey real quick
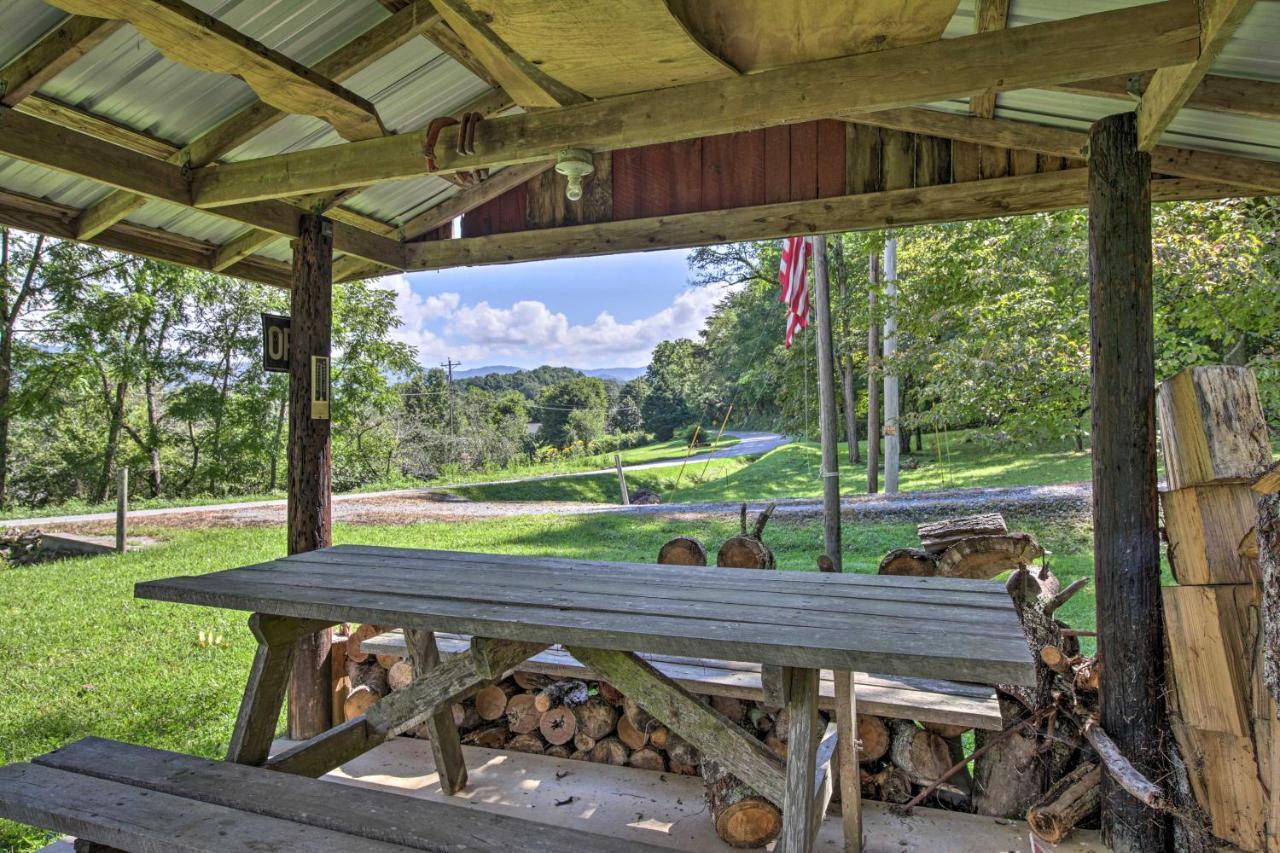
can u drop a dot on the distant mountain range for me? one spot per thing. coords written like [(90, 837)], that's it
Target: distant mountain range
[(618, 374)]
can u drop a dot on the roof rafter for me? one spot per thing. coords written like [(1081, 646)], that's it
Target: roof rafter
[(346, 61), (941, 203), (527, 84), (187, 35), (988, 15), (1237, 95), (1037, 55), (1258, 175), (45, 59), (1170, 87), (55, 147)]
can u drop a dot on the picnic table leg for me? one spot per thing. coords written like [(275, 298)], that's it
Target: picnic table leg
[(446, 746), (799, 818), (847, 749), (268, 681)]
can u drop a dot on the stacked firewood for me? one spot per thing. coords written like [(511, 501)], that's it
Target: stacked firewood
[(21, 547)]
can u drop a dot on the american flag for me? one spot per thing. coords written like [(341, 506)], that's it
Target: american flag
[(793, 276)]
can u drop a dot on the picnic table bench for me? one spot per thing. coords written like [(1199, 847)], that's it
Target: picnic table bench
[(792, 624)]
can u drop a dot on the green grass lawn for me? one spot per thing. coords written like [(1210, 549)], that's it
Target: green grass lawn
[(84, 657), (792, 471)]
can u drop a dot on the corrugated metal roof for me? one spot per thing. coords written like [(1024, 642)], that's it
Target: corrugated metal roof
[(21, 177), (188, 222), (25, 22)]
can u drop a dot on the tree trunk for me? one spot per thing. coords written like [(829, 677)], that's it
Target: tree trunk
[(1125, 516), (873, 387), (153, 440), (850, 390), (6, 380), (113, 441), (275, 443)]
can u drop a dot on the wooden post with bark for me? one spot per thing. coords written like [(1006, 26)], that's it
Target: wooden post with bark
[(310, 522), (1125, 518), (122, 509), (873, 390), (828, 421)]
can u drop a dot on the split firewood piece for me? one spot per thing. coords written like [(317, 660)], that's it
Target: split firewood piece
[(571, 693), (923, 756), (641, 719), (1269, 482), (1072, 799), (596, 719), (522, 715), (358, 701), (984, 557), (583, 742), (360, 634), (531, 681), (558, 725), (388, 661), (1056, 659), (734, 709), (527, 742), (659, 737), (491, 701), (938, 536), (742, 818), (683, 551), (610, 694), (909, 562), (873, 738), (490, 737), (647, 759), (609, 751), (632, 737)]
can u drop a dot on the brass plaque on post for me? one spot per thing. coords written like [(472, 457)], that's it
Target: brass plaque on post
[(320, 387)]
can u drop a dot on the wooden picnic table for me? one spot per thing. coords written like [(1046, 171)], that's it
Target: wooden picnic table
[(792, 623)]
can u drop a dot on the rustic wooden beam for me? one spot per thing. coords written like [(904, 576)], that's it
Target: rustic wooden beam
[(442, 731), (40, 142), (47, 58), (1125, 516), (988, 15), (799, 818), (1259, 175), (189, 36), (1237, 95), (1171, 86), (527, 84), (410, 21), (310, 523), (1032, 56), (57, 220), (96, 126), (942, 203)]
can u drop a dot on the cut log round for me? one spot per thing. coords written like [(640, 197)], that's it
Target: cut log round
[(609, 751), (527, 742), (630, 736), (984, 557), (359, 700), (680, 769), (730, 707), (368, 674), (571, 692), (938, 536), (583, 742), (922, 755), (596, 718), (873, 738), (399, 674), (909, 562), (745, 552), (558, 725), (776, 744), (742, 817), (637, 716), (680, 751), (388, 661), (1072, 799), (522, 715), (609, 693), (683, 551), (647, 759), (560, 751), (659, 736), (364, 632), (491, 702)]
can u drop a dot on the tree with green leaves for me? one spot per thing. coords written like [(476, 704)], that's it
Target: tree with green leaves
[(557, 407)]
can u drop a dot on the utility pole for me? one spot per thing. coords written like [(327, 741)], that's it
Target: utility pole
[(828, 419), (892, 441), (873, 387), (449, 364)]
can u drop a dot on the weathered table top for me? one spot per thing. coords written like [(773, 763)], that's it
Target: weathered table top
[(949, 628)]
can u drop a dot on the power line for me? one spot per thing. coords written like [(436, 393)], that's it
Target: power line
[(449, 365)]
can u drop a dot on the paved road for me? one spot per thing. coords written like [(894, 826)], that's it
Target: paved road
[(345, 506)]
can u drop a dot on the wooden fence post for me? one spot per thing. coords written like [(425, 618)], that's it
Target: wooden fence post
[(122, 509), (622, 480), (1125, 540), (828, 421), (310, 521)]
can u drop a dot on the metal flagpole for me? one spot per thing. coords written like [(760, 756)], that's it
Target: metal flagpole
[(828, 420)]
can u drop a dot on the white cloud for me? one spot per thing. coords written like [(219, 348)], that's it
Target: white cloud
[(530, 333)]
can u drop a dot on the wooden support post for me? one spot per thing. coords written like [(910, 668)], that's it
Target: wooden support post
[(622, 480), (446, 747), (122, 509), (828, 420), (873, 388), (1126, 546), (310, 522), (847, 749), (798, 818)]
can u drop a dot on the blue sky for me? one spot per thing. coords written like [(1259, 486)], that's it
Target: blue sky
[(581, 312)]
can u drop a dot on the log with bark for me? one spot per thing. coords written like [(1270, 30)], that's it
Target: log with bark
[(596, 719), (682, 551), (742, 817), (1073, 799), (747, 550), (570, 692), (522, 714), (491, 701), (558, 725), (984, 557), (938, 536), (910, 562)]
